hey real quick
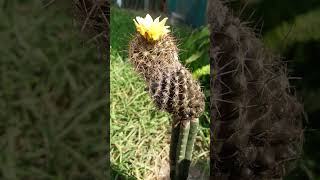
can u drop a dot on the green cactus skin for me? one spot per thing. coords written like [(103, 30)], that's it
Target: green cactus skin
[(194, 124), (173, 89), (186, 161), (175, 130), (256, 120), (183, 139), (181, 150)]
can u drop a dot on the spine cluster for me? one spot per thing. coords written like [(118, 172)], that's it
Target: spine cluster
[(170, 84), (256, 119)]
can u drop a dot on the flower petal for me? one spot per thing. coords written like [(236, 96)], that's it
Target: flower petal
[(163, 21), (156, 21), (148, 21), (135, 22), (140, 20), (151, 29)]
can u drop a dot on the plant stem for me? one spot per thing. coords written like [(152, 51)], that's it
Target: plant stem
[(173, 147), (181, 171), (185, 163), (191, 138), (182, 142)]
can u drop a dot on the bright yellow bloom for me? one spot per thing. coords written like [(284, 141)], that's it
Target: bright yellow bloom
[(149, 29)]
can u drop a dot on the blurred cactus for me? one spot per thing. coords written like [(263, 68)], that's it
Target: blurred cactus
[(93, 17), (256, 120)]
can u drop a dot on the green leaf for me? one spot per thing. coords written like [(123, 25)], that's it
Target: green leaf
[(205, 70), (196, 36), (193, 57), (204, 32)]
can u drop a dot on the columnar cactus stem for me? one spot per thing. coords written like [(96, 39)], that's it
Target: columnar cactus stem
[(181, 150), (185, 147), (173, 147), (194, 123)]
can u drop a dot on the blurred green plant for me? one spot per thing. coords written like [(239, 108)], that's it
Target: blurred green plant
[(195, 51), (52, 91), (303, 28)]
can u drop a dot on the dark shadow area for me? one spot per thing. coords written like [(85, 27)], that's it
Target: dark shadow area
[(117, 174), (270, 14)]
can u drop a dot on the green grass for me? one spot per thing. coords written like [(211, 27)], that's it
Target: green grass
[(140, 135), (52, 91), (138, 131)]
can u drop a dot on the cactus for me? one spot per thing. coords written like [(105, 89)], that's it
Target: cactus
[(256, 119), (173, 89)]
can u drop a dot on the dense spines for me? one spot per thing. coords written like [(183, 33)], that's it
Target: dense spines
[(173, 89), (170, 84), (256, 127)]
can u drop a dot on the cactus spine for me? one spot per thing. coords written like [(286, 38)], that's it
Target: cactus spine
[(256, 120), (173, 89)]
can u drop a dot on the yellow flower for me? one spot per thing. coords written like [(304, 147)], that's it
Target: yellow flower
[(149, 29)]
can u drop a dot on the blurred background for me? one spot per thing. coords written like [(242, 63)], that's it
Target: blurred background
[(190, 12), (52, 95), (289, 28), (292, 29)]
